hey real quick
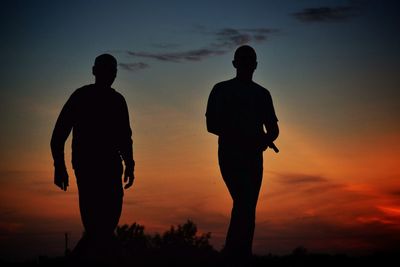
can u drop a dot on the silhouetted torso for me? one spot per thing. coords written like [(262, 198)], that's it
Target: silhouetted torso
[(238, 110), (100, 121)]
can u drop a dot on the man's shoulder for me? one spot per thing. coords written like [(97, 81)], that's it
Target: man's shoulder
[(117, 95), (90, 89), (113, 91), (223, 87), (224, 84), (83, 90), (260, 89), (80, 93), (233, 83)]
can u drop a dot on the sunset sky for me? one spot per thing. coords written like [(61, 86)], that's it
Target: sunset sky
[(332, 68)]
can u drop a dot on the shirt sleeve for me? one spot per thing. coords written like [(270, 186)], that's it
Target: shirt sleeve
[(212, 116), (62, 129), (126, 145), (270, 115)]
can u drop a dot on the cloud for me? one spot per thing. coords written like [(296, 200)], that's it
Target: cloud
[(326, 14), (224, 40), (229, 37), (190, 55), (133, 66), (165, 45), (318, 189), (320, 234), (395, 193), (327, 215), (293, 184), (391, 210), (301, 179)]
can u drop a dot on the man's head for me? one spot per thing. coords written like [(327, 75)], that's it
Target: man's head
[(105, 70), (245, 60)]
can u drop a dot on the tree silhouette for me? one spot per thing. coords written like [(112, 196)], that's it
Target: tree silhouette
[(181, 245), (185, 237), (133, 238)]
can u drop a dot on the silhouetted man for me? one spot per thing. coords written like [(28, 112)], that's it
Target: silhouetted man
[(98, 116), (237, 111)]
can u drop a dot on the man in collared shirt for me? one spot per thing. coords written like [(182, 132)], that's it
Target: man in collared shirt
[(237, 112), (98, 116)]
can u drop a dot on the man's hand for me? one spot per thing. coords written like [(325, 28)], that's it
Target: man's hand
[(273, 146), (129, 177), (268, 143), (61, 178)]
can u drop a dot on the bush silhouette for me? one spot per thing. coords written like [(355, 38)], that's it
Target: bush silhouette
[(180, 244), (185, 237), (133, 238)]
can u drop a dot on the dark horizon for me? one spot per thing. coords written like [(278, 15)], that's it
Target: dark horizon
[(171, 243)]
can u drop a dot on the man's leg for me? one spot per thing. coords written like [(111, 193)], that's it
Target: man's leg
[(100, 200), (242, 175), (100, 204)]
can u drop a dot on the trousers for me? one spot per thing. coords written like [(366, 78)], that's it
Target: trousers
[(100, 198), (242, 174)]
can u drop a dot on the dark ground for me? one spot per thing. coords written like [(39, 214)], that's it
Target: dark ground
[(182, 246), (215, 260)]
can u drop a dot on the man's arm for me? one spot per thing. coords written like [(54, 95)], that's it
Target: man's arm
[(212, 121), (271, 124), (126, 149), (60, 134), (271, 135)]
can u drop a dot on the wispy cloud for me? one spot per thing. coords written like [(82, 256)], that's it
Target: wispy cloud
[(301, 179), (314, 186), (326, 14), (313, 233), (395, 193), (190, 55), (165, 45), (230, 37), (309, 209), (224, 40), (134, 66), (390, 210)]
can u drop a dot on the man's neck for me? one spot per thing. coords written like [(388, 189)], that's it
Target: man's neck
[(101, 86), (244, 77)]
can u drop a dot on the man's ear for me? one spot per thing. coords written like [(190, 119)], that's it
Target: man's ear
[(234, 63), (255, 65), (94, 70)]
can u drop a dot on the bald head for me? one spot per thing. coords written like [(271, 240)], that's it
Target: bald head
[(245, 52), (105, 59), (105, 70), (245, 62)]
